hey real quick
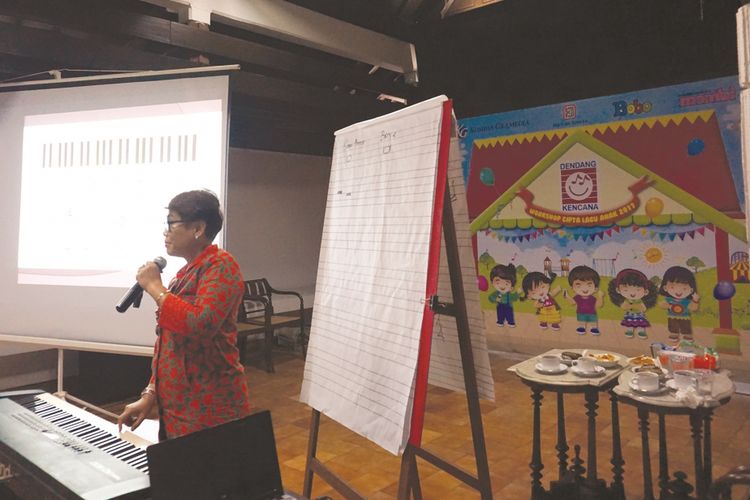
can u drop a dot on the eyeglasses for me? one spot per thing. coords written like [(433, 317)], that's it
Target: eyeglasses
[(168, 225)]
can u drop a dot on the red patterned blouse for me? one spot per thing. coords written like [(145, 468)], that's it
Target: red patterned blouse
[(197, 373)]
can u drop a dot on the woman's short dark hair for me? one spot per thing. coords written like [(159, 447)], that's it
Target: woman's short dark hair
[(197, 205)]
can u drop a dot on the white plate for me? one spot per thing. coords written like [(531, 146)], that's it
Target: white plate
[(560, 369), (606, 364), (596, 372), (638, 390)]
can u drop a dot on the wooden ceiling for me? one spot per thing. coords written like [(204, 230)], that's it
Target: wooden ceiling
[(287, 97)]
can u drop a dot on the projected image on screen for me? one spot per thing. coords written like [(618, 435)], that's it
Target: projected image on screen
[(95, 184)]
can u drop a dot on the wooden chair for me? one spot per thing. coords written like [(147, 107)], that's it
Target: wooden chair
[(721, 489), (257, 315)]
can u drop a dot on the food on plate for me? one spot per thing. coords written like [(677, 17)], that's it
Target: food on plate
[(603, 356), (649, 368), (603, 359), (643, 360), (569, 355)]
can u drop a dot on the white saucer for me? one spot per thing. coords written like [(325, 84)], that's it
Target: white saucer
[(596, 372), (637, 390), (560, 369)]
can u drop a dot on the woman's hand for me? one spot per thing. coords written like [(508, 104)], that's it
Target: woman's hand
[(149, 276), (134, 413)]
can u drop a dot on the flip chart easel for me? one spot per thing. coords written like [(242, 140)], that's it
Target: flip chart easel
[(442, 221), (409, 481)]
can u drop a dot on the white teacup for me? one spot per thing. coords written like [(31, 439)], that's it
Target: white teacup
[(646, 381), (550, 362), (585, 364), (684, 379)]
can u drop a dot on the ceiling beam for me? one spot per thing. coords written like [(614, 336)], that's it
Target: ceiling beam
[(251, 55), (91, 52), (248, 53), (289, 22), (78, 52)]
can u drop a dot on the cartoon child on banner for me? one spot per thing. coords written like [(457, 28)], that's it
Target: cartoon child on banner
[(680, 299), (536, 286), (503, 278), (635, 294), (586, 297)]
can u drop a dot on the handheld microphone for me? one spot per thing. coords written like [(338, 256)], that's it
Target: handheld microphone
[(133, 296)]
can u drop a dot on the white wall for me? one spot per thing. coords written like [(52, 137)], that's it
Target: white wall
[(275, 212)]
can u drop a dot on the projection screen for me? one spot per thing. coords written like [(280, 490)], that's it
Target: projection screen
[(88, 168)]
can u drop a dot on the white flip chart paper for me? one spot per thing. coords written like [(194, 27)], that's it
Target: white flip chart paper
[(446, 369), (372, 273)]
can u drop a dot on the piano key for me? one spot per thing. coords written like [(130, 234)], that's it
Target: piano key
[(88, 432), (105, 441), (117, 446), (138, 462), (126, 455), (65, 419), (75, 427), (48, 412)]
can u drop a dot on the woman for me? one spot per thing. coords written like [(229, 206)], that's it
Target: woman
[(197, 379)]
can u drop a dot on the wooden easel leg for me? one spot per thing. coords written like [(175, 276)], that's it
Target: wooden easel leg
[(415, 486), (312, 447), (464, 345), (315, 466), (408, 484)]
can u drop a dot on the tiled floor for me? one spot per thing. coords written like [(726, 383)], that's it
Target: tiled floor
[(507, 428), (507, 424)]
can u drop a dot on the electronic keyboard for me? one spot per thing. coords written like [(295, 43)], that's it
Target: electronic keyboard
[(67, 452)]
